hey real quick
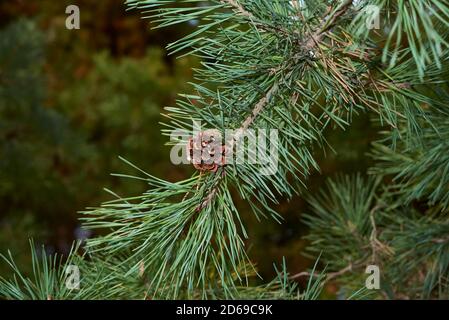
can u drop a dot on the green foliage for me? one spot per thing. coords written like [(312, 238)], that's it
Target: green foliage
[(109, 278), (419, 171), (340, 224), (302, 68), (49, 280)]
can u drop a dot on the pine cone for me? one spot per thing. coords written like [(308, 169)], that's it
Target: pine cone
[(206, 151)]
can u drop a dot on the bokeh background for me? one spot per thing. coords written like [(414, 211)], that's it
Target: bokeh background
[(72, 101)]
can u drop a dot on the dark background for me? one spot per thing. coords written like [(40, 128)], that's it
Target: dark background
[(72, 101)]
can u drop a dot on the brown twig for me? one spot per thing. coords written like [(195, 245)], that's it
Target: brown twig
[(440, 240), (208, 199), (260, 105), (329, 276), (373, 237), (238, 8)]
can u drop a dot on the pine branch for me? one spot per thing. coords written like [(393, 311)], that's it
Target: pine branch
[(327, 24)]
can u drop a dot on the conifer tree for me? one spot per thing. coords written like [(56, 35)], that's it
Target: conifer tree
[(299, 68)]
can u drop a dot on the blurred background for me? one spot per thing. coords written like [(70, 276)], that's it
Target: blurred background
[(72, 101)]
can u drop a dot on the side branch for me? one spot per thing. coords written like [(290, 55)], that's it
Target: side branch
[(256, 111), (238, 8), (260, 105), (327, 24)]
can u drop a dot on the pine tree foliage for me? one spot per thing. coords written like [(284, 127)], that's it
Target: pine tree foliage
[(302, 68), (357, 222), (420, 170), (422, 24)]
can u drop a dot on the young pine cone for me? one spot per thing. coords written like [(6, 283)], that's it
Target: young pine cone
[(206, 151)]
